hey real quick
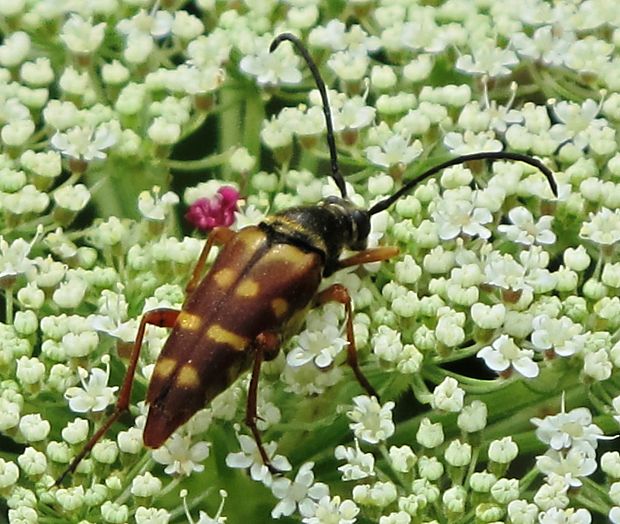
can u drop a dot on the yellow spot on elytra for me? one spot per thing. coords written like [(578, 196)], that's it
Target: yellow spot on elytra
[(279, 306), (288, 254), (218, 334), (188, 377), (252, 238), (164, 367), (224, 277), (189, 321), (247, 288)]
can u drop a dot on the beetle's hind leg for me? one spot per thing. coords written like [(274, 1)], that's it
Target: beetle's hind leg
[(339, 293), (266, 347), (162, 317)]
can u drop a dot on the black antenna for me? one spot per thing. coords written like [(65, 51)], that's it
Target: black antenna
[(489, 155), (331, 142)]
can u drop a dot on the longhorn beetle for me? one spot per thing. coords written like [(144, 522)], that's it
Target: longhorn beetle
[(264, 277)]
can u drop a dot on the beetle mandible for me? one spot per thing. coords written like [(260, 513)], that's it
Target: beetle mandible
[(234, 318)]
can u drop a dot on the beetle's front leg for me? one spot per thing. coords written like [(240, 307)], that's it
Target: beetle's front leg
[(162, 317), (339, 293), (219, 236), (266, 347), (375, 254)]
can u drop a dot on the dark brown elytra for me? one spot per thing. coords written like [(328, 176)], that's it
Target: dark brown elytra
[(234, 316)]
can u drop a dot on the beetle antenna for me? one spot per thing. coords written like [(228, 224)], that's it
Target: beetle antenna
[(331, 142), (489, 155)]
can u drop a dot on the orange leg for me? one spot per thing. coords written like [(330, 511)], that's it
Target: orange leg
[(368, 255), (267, 346), (339, 293), (158, 317), (219, 236)]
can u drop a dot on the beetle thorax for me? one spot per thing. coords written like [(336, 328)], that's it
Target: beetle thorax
[(327, 228)]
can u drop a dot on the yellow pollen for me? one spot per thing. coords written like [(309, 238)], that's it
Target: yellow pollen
[(188, 377), (247, 288), (279, 306), (218, 334), (224, 277), (164, 367), (189, 321)]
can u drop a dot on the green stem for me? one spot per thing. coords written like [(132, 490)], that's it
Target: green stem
[(8, 293), (200, 164)]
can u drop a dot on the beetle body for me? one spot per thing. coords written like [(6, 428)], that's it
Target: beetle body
[(262, 278)]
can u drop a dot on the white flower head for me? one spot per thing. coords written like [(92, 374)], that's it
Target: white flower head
[(95, 395), (359, 465), (577, 462), (525, 231), (321, 346), (180, 456), (301, 493), (372, 422), (281, 66), (250, 457), (504, 354), (85, 143), (568, 429), (154, 206)]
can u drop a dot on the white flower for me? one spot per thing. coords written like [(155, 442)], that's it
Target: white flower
[(85, 142), (577, 122), (281, 66), (487, 59), (333, 511), (556, 334), (603, 227), (568, 515), (448, 396), (568, 429), (504, 353), (180, 456), (359, 465), (249, 457), (458, 215), (94, 396), (545, 44), (14, 257), (577, 462), (396, 150), (470, 142), (321, 346), (80, 36), (300, 493), (525, 231), (372, 422), (154, 206)]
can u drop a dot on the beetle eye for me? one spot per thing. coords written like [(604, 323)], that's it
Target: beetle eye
[(361, 224)]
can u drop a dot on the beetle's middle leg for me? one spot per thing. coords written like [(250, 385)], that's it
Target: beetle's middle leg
[(266, 347), (339, 293)]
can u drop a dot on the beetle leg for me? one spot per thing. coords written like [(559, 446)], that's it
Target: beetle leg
[(368, 255), (219, 236), (266, 348), (163, 317), (339, 293)]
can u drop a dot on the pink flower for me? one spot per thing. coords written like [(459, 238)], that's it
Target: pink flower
[(207, 213)]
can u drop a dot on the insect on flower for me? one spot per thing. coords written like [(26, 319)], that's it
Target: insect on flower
[(235, 316)]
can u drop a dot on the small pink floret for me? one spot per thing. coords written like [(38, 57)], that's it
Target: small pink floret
[(208, 213)]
